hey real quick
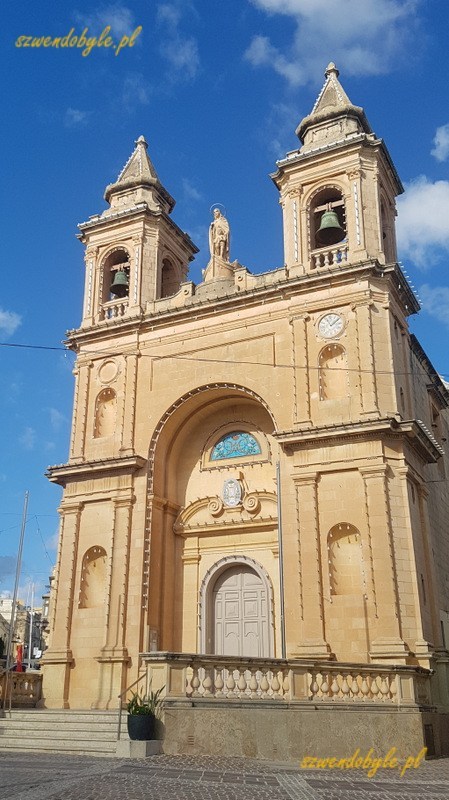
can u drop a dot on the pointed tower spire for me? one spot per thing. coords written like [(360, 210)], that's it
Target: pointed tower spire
[(332, 103), (139, 182)]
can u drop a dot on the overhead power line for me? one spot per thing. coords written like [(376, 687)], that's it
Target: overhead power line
[(181, 357)]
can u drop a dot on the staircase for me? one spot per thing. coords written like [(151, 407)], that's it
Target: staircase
[(77, 732)]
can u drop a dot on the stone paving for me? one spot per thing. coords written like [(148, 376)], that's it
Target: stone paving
[(45, 776)]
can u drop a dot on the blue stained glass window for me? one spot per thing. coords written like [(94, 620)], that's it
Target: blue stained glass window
[(235, 445)]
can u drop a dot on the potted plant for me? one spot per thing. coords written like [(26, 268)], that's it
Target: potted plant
[(143, 711)]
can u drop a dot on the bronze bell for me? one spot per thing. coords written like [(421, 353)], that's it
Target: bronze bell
[(330, 230), (120, 284)]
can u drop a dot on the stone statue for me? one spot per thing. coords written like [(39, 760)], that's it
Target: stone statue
[(219, 236)]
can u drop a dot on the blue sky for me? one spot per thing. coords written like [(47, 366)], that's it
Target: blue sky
[(218, 90)]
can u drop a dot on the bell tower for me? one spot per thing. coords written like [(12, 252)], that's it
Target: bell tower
[(135, 253), (338, 189)]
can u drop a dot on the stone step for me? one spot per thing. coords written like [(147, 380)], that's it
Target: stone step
[(55, 731), (83, 747)]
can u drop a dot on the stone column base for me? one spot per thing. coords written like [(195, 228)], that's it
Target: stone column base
[(390, 651), (128, 749), (313, 649)]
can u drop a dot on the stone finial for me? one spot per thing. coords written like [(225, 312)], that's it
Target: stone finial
[(142, 140), (331, 69)]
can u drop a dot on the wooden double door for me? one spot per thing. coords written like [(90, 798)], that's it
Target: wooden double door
[(240, 606)]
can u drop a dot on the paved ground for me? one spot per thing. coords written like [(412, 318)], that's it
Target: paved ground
[(56, 777)]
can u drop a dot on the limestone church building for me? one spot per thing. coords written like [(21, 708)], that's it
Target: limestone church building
[(255, 509)]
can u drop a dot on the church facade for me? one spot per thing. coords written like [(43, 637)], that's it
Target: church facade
[(255, 505)]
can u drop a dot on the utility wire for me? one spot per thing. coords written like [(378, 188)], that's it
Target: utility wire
[(180, 357)]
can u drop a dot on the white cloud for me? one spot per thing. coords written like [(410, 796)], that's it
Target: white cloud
[(190, 191), (73, 117), (423, 221), (57, 418), (280, 122), (52, 542), (179, 50), (9, 322), (118, 17), (135, 90), (261, 52), (363, 37), (435, 300), (441, 142), (28, 438)]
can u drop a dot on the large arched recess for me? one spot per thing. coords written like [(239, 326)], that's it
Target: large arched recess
[(177, 478)]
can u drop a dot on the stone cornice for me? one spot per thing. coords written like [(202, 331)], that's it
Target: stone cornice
[(285, 288), (138, 210), (64, 473), (420, 439)]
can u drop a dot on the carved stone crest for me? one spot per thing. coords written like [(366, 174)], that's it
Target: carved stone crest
[(232, 493)]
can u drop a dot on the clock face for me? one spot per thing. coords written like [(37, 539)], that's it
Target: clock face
[(330, 325)]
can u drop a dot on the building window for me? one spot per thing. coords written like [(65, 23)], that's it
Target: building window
[(93, 578), (345, 560), (235, 445), (105, 413), (333, 372)]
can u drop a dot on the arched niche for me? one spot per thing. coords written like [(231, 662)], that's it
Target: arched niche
[(345, 560), (333, 372), (105, 413), (93, 578)]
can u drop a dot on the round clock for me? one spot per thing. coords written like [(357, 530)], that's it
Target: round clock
[(330, 325)]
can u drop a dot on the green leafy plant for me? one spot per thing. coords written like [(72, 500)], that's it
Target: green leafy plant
[(149, 704)]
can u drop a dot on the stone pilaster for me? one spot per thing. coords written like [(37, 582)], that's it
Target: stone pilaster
[(80, 411), (367, 375), (301, 370), (312, 642), (58, 658), (127, 443), (386, 642)]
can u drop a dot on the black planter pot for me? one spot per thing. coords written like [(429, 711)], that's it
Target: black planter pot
[(141, 727)]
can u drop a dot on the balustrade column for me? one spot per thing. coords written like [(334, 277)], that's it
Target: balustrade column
[(312, 642)]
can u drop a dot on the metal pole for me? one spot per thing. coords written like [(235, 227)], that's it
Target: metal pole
[(30, 632), (16, 584), (281, 560)]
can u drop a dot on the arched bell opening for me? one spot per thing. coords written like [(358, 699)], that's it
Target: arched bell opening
[(170, 281), (327, 218), (115, 275)]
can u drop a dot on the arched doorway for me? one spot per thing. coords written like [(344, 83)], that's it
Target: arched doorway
[(240, 623)]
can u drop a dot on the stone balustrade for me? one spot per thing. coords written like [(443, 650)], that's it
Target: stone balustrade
[(327, 256), (113, 309), (24, 689), (212, 678)]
